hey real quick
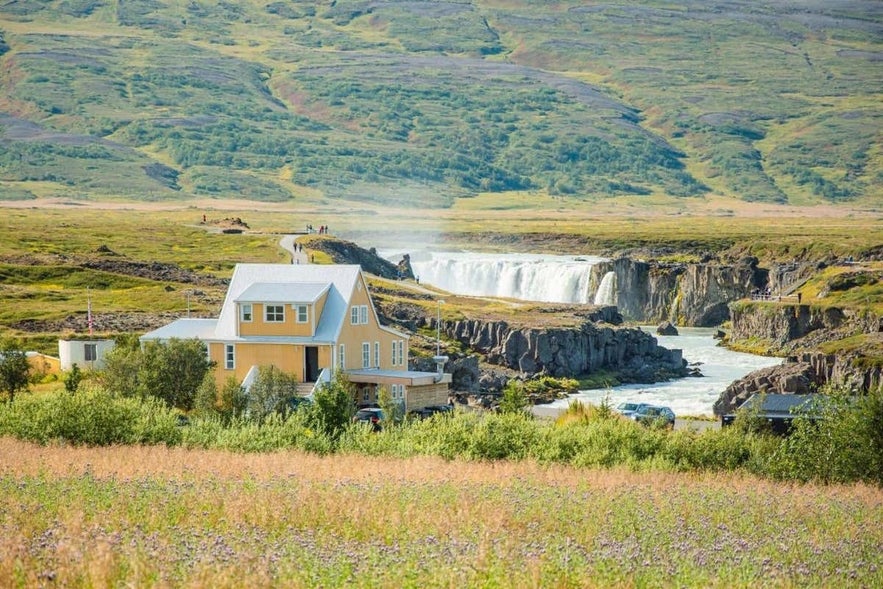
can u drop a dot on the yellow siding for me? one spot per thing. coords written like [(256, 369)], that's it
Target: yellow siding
[(289, 327), (288, 358), (352, 336)]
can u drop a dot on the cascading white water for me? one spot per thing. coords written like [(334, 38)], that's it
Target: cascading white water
[(553, 279), (606, 294)]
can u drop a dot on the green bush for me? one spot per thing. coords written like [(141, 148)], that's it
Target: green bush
[(91, 417), (844, 443)]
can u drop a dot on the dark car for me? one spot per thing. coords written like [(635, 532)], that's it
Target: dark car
[(628, 408), (431, 410), (654, 415), (370, 415)]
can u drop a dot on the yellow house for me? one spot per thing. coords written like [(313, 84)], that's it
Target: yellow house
[(310, 321)]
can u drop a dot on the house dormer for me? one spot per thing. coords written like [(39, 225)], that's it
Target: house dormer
[(276, 309)]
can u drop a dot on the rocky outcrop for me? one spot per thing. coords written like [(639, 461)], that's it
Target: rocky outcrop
[(666, 328), (347, 252), (799, 331), (570, 352), (783, 324), (800, 375), (696, 294)]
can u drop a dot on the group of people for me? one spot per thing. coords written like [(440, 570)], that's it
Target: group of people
[(323, 229)]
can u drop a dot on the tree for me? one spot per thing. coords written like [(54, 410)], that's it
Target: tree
[(72, 379), (14, 369), (227, 404), (333, 407), (270, 392), (171, 371), (514, 398)]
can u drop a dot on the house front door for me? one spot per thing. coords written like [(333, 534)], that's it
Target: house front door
[(311, 364)]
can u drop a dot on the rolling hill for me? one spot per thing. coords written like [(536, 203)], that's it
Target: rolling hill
[(419, 103)]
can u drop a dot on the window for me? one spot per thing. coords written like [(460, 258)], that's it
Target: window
[(398, 353), (341, 357), (366, 396), (354, 315), (302, 314), (377, 354), (91, 352), (245, 313), (274, 313), (363, 314), (366, 355), (230, 356)]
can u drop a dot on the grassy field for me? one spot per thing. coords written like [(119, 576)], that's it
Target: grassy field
[(422, 104), (57, 256), (149, 517)]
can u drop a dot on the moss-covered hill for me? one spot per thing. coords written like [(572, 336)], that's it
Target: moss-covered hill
[(420, 103)]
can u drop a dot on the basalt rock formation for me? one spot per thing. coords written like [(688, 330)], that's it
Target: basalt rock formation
[(695, 294), (570, 351), (799, 331)]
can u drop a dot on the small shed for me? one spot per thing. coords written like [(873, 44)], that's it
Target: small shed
[(84, 353), (779, 410)]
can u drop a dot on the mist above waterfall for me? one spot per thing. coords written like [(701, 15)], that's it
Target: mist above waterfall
[(529, 277)]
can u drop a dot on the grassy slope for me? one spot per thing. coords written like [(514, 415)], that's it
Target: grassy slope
[(420, 103)]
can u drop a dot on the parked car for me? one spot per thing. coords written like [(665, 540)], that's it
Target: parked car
[(371, 415), (431, 410), (653, 414), (628, 408)]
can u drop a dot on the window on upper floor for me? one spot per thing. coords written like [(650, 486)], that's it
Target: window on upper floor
[(366, 355), (363, 314), (354, 315), (303, 314), (377, 354), (229, 356), (245, 312), (398, 353), (274, 313)]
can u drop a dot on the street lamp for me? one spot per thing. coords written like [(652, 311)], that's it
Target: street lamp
[(438, 329), (439, 359)]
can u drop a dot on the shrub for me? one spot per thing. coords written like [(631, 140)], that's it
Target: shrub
[(93, 417), (842, 443)]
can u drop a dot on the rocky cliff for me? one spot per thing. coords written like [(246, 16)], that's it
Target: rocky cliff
[(824, 345), (695, 294), (570, 352)]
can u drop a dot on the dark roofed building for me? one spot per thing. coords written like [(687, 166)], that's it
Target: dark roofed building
[(778, 410)]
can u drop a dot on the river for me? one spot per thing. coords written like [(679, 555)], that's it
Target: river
[(691, 396)]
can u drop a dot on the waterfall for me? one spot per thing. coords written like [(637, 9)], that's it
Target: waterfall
[(552, 279), (606, 294)]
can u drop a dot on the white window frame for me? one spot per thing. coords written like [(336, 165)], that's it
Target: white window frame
[(366, 354), (90, 352), (246, 313), (354, 315), (341, 356), (303, 314), (230, 356), (276, 309), (398, 352), (363, 314), (377, 355)]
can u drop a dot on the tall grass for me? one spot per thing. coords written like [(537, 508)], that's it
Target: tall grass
[(154, 516)]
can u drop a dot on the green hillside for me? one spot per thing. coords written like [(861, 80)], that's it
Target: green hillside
[(419, 103)]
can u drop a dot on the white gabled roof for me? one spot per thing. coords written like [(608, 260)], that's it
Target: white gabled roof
[(340, 279), (203, 329), (263, 292)]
